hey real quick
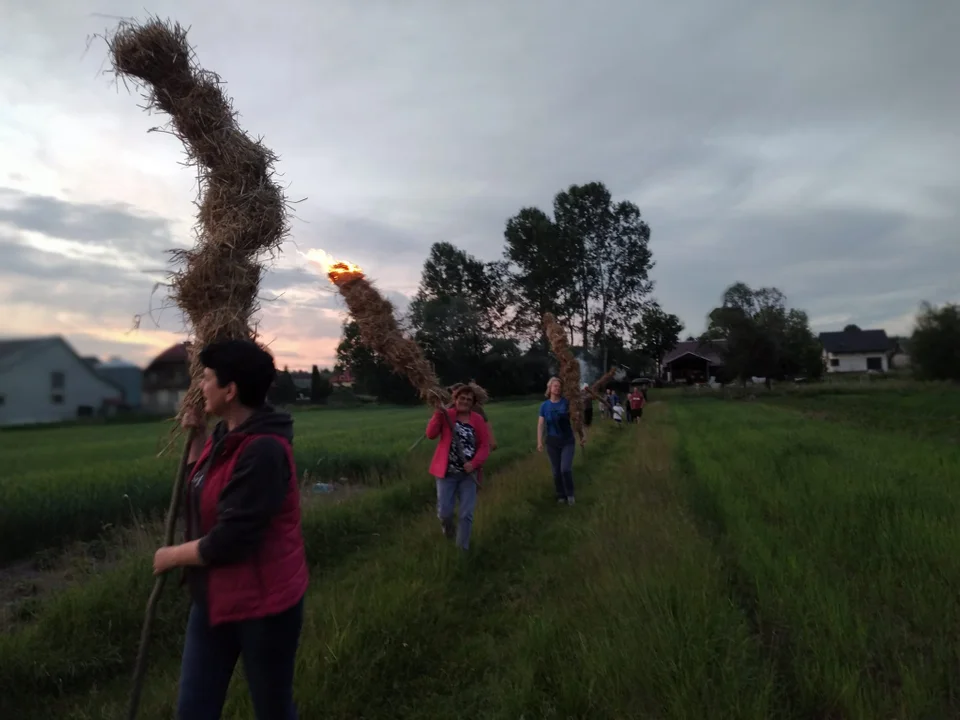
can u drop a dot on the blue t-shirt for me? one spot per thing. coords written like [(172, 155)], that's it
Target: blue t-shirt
[(557, 418)]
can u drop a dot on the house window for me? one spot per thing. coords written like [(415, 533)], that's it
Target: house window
[(56, 399), (57, 380), (874, 363), (3, 400), (834, 362)]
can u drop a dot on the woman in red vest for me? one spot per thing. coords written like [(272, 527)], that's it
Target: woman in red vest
[(456, 474), (243, 558)]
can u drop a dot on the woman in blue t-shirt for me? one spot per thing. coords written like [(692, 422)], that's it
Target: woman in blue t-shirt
[(560, 441)]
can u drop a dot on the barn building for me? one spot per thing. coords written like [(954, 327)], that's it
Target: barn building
[(166, 380), (694, 362)]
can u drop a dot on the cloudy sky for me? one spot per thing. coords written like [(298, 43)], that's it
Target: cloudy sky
[(809, 145)]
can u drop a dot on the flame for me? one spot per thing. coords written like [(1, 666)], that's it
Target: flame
[(337, 270)]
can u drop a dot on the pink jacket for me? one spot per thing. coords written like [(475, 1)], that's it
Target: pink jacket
[(439, 427)]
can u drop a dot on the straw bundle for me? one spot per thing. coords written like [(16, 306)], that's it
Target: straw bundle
[(481, 396), (241, 211), (379, 331), (569, 372), (604, 379)]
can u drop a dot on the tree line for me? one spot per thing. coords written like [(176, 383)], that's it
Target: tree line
[(589, 264)]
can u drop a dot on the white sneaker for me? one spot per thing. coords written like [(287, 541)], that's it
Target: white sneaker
[(570, 500)]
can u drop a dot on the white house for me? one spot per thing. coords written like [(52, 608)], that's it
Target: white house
[(43, 380), (856, 351)]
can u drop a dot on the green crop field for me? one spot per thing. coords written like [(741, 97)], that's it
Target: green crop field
[(727, 559), (70, 483)]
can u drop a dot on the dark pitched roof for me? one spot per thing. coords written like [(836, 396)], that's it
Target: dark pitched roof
[(857, 341), (708, 351), (13, 350), (174, 354)]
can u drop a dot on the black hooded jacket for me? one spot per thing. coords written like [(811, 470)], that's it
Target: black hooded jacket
[(255, 493)]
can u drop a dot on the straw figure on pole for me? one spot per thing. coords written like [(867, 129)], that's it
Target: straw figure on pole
[(380, 332), (604, 379), (569, 372), (242, 213), (458, 473)]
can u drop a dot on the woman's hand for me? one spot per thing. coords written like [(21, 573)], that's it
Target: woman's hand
[(164, 560), (539, 446), (173, 556), (194, 419), (468, 467)]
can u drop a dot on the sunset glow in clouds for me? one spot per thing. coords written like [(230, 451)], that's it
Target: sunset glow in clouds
[(818, 157)]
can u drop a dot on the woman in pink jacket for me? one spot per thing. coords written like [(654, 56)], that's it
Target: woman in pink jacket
[(455, 464)]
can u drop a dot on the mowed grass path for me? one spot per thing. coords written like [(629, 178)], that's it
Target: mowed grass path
[(725, 560), (72, 483), (842, 547)]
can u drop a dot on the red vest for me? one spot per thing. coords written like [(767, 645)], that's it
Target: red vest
[(275, 577)]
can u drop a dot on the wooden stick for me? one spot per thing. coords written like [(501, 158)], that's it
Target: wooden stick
[(170, 527)]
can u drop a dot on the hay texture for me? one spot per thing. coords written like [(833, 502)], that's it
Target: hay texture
[(569, 372), (380, 332), (480, 395), (241, 211), (599, 384)]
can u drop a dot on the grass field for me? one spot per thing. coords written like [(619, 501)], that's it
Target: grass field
[(72, 483), (724, 560)]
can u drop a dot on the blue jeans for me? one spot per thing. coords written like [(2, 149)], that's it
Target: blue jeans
[(561, 462), (268, 647), (448, 489)]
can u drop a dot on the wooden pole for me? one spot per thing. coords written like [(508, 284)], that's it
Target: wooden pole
[(140, 667)]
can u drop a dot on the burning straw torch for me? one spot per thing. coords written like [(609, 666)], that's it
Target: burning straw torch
[(380, 332)]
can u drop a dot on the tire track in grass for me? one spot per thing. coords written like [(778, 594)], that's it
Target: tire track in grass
[(839, 548), (633, 623), (774, 638), (377, 633)]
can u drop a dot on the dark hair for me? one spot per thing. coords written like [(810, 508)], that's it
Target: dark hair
[(242, 362)]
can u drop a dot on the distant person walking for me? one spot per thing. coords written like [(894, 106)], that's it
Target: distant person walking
[(618, 415), (556, 433), (243, 558), (637, 400), (455, 473)]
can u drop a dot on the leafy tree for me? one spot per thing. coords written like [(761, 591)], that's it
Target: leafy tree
[(656, 333), (372, 375), (761, 337), (284, 390), (458, 310), (541, 269), (449, 272), (320, 386), (851, 328), (935, 342), (610, 245)]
